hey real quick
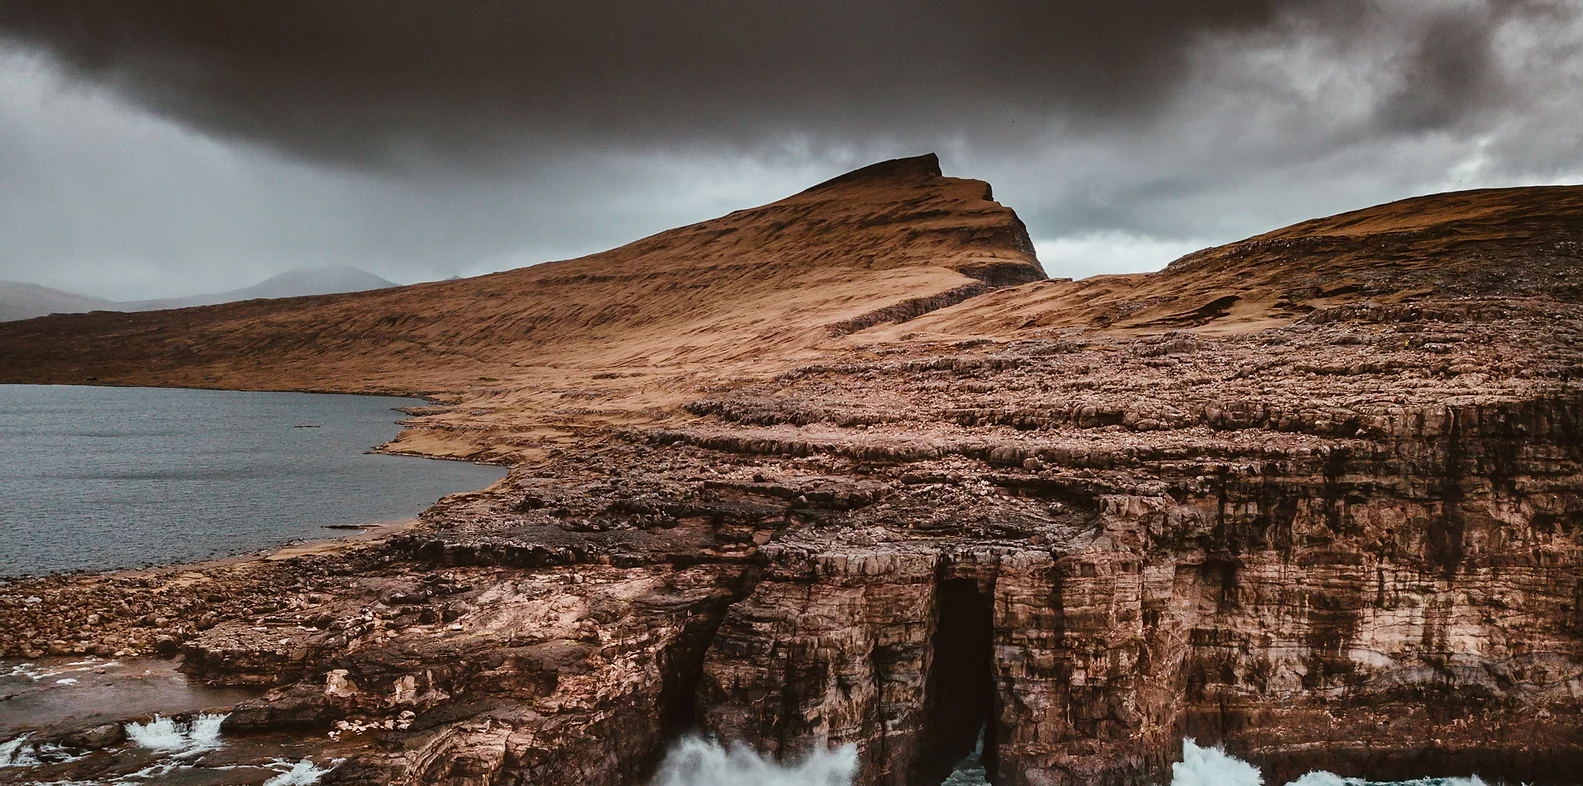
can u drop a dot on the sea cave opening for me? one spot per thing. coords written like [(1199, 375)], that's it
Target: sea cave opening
[(959, 694)]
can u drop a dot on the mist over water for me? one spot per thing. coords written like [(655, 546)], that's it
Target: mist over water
[(698, 762), (102, 478)]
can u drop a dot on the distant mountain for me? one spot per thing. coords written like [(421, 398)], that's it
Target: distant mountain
[(329, 280), (20, 300)]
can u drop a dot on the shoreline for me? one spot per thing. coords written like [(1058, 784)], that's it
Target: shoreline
[(354, 535), (151, 610), (365, 534), (399, 445)]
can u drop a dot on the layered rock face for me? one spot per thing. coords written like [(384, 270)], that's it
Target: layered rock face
[(1317, 497), (1391, 609), (1348, 541)]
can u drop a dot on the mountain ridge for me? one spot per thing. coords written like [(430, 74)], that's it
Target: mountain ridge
[(298, 282)]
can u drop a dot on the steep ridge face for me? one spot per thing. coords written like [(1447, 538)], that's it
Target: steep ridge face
[(1336, 522), (634, 331)]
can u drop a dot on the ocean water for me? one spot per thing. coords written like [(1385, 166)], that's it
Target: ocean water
[(193, 751), (104, 478), (699, 762), (693, 761), (174, 736), (163, 751)]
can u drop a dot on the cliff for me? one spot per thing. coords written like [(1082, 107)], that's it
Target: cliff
[(1317, 496)]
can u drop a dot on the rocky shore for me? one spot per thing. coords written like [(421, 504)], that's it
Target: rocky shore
[(1317, 497)]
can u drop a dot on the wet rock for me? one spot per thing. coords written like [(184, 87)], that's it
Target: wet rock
[(97, 738)]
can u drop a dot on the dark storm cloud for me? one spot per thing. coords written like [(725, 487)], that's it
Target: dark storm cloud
[(369, 81), (1450, 72), (148, 146)]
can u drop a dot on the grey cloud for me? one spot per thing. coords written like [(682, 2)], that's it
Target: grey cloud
[(168, 143), (384, 81)]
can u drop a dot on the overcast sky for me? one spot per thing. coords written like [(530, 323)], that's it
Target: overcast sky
[(162, 147)]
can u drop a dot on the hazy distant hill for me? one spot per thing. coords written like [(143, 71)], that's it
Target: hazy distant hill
[(20, 300), (331, 280)]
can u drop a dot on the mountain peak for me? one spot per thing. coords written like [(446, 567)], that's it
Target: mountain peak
[(924, 167)]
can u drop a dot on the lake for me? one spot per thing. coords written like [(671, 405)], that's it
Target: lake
[(98, 478)]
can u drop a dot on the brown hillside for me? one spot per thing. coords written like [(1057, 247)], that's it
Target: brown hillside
[(877, 244), (1518, 242)]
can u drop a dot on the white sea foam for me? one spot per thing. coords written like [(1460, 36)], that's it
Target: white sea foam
[(699, 762), (696, 762), (1324, 779), (1330, 779), (17, 753), (303, 773), (1212, 767), (38, 673), (165, 734)]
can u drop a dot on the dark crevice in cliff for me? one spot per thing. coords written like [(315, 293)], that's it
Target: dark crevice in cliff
[(1445, 532), (683, 668), (959, 696)]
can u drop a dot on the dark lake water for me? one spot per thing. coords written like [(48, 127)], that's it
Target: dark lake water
[(102, 478)]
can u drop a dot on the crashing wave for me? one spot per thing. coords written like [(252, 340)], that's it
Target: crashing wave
[(1214, 767), (303, 773), (171, 736), (17, 753), (699, 762)]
